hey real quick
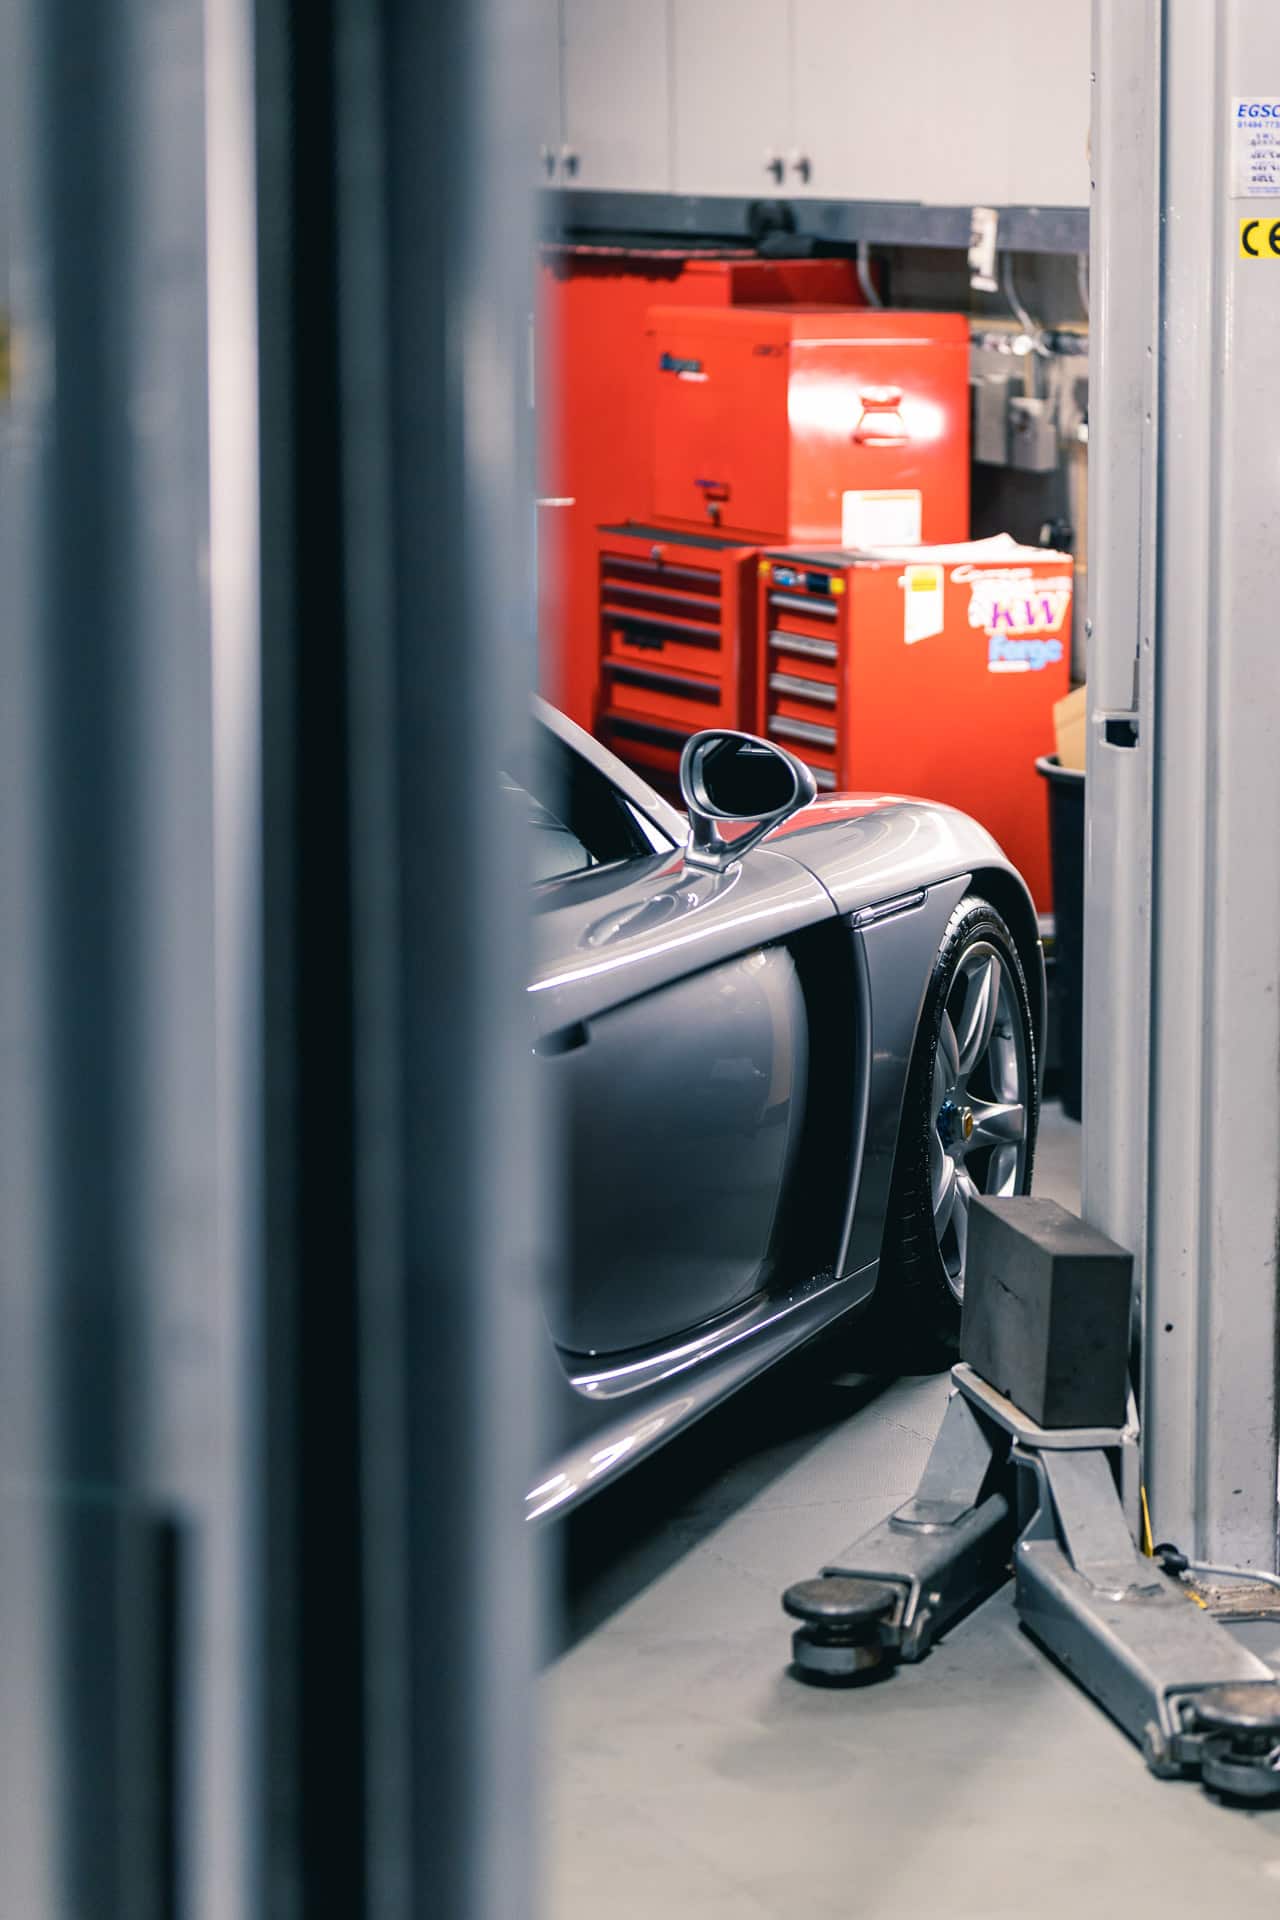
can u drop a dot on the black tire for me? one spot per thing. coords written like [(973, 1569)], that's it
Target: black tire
[(918, 1305)]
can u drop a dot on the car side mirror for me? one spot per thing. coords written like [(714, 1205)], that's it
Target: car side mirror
[(735, 777)]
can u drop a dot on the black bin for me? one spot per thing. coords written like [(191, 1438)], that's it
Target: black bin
[(1066, 855)]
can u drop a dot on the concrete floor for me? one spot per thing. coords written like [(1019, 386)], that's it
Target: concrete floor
[(686, 1775)]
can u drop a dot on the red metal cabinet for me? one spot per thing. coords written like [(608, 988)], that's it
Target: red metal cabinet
[(593, 387), (928, 672), (676, 641), (810, 424)]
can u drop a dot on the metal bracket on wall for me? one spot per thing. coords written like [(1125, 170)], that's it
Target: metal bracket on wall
[(1056, 1507)]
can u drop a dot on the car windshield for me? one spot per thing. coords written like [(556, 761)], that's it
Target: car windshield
[(576, 818)]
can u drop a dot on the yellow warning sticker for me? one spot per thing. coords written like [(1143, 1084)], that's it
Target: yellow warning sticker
[(1260, 239), (922, 603)]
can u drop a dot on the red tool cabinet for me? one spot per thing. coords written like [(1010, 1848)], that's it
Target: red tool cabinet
[(810, 423), (593, 389), (676, 641), (929, 671)]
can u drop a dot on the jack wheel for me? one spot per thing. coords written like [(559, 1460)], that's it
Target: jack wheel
[(1241, 1752), (841, 1639)]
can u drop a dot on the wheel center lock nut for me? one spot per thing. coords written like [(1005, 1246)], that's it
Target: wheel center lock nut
[(956, 1124)]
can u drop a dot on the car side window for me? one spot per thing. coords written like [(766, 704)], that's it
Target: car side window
[(577, 819)]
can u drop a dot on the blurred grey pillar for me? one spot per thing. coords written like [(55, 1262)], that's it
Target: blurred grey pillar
[(268, 1607), (403, 1236), (1182, 933), (129, 877)]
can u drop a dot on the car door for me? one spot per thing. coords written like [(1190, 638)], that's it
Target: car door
[(671, 1027)]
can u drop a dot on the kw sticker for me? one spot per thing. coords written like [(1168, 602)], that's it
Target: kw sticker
[(1260, 239), (1023, 618)]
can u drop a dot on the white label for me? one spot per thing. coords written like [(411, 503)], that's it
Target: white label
[(1255, 149), (880, 517), (922, 602), (984, 223)]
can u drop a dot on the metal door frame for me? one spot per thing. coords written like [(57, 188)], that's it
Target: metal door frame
[(1182, 916)]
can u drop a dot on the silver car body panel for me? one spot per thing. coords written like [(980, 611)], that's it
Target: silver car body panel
[(622, 932), (872, 850), (681, 1115), (894, 989), (638, 969)]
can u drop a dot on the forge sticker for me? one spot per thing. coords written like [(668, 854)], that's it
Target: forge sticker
[(1024, 618)]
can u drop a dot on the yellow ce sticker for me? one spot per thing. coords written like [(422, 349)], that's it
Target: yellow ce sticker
[(1260, 239)]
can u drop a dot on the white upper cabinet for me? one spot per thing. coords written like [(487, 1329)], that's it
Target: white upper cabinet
[(853, 79), (732, 118), (1051, 104), (949, 102), (550, 127), (616, 92), (906, 102)]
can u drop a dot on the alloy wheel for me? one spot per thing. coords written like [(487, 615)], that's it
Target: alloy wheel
[(978, 1125)]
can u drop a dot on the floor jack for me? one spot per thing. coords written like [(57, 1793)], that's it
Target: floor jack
[(1061, 1507)]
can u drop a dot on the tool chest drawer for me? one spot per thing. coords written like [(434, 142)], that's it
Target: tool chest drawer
[(676, 626), (652, 747), (672, 614), (801, 694), (680, 697)]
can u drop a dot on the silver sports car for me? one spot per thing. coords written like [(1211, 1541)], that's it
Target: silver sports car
[(788, 1039)]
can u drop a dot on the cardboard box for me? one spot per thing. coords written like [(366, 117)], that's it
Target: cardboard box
[(1069, 716)]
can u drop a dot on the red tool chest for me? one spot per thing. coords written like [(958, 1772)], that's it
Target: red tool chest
[(676, 641), (931, 671), (811, 423), (593, 391)]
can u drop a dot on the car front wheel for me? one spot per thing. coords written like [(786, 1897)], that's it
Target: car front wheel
[(968, 1126)]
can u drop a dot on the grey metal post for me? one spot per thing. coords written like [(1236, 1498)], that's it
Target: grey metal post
[(226, 1761), (370, 1379), (128, 1544), (438, 499), (404, 1234), (1182, 976)]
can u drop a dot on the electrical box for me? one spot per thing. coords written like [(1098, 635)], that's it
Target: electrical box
[(1033, 434), (677, 633), (991, 419), (811, 423), (1013, 429), (930, 671)]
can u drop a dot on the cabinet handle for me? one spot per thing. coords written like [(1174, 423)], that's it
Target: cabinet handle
[(548, 159), (775, 166), (803, 166), (569, 162)]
